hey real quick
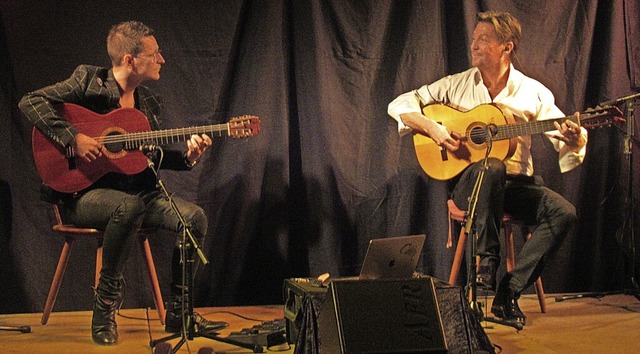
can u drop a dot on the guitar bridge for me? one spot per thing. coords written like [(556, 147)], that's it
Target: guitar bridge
[(443, 153), (71, 158)]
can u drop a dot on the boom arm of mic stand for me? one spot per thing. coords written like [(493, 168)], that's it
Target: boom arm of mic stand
[(192, 239), (470, 227)]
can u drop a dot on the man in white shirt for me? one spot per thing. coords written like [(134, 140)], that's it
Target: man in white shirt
[(508, 186)]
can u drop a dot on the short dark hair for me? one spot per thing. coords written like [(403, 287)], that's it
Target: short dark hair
[(506, 25), (125, 38)]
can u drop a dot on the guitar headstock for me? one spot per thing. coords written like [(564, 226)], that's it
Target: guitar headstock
[(601, 116), (244, 126)]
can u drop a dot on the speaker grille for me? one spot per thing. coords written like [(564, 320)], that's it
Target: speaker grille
[(381, 316)]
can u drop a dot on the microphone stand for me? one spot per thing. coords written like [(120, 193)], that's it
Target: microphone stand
[(628, 218), (23, 329), (470, 228), (188, 242)]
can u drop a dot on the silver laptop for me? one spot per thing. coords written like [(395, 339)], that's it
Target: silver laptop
[(393, 257)]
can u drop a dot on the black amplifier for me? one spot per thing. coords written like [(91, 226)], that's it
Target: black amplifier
[(296, 291)]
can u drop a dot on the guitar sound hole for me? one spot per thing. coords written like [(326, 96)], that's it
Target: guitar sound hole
[(114, 147), (478, 136)]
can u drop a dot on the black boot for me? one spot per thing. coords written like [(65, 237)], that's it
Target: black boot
[(107, 298), (486, 275), (175, 312), (505, 303), (177, 308), (486, 278)]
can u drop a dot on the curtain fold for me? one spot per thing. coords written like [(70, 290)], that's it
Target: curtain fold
[(328, 171)]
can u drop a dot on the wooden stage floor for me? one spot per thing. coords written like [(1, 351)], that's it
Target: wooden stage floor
[(586, 325)]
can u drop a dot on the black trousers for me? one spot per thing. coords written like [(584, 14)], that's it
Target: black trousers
[(553, 216), (121, 214)]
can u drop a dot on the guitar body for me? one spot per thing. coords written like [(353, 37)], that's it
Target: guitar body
[(71, 174), (122, 132), (441, 164)]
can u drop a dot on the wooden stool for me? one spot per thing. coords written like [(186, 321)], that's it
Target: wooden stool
[(455, 214), (70, 234)]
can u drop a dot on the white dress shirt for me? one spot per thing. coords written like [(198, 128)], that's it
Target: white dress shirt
[(527, 99)]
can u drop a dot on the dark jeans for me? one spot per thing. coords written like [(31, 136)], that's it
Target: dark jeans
[(553, 217), (121, 214)]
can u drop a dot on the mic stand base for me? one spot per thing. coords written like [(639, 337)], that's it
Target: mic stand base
[(517, 326), (482, 318), (189, 323), (214, 336), (188, 242), (23, 329), (598, 295)]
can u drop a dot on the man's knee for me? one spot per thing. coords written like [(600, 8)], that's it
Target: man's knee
[(564, 217), (568, 215), (496, 166), (130, 211), (197, 221), (200, 221)]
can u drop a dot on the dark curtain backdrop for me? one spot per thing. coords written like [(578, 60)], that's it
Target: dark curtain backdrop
[(328, 172)]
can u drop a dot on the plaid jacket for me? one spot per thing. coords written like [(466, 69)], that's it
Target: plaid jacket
[(94, 88)]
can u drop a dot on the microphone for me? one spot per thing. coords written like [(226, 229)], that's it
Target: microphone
[(148, 148), (492, 129), (619, 99)]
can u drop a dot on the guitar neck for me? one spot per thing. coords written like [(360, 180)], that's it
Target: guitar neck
[(132, 141), (530, 128)]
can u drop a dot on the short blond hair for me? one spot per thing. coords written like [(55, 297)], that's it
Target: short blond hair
[(506, 25)]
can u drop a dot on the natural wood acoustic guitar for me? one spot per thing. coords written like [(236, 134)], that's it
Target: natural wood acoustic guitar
[(484, 124)]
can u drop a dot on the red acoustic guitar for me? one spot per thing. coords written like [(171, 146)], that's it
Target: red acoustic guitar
[(122, 132), (475, 125)]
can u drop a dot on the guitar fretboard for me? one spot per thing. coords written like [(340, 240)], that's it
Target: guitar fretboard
[(133, 141), (509, 131)]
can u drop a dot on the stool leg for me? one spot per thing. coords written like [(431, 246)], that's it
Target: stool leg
[(98, 264), (540, 293), (57, 279), (457, 258), (510, 246), (153, 277)]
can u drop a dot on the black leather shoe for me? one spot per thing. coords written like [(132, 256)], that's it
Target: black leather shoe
[(173, 323), (505, 304), (486, 278), (204, 325)]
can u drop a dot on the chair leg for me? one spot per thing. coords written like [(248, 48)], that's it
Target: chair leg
[(540, 293), (153, 277), (510, 246), (98, 264), (57, 279), (457, 258)]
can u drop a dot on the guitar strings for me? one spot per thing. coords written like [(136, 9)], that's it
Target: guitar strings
[(180, 134), (511, 130)]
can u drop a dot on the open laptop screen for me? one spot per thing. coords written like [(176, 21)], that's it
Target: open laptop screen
[(392, 257)]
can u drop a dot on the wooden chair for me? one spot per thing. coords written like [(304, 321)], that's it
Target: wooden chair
[(508, 223), (70, 234)]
